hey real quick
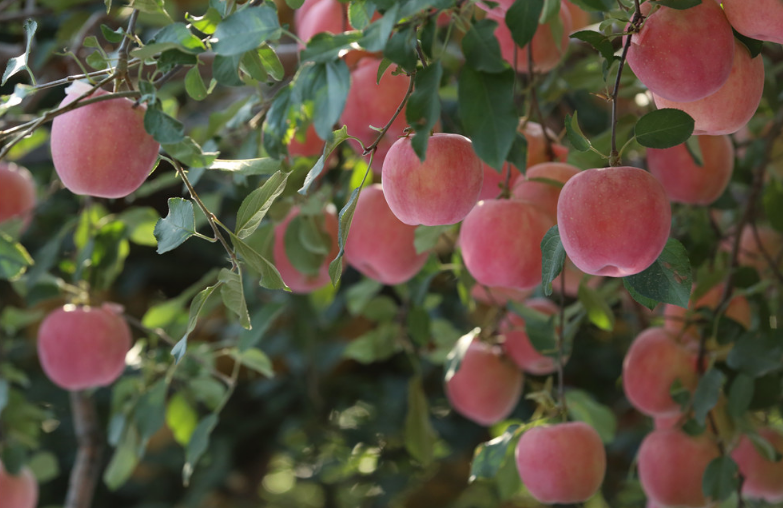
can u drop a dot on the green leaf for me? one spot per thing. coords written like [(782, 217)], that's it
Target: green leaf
[(246, 30), (754, 46), (206, 24), (598, 41), (271, 62), (181, 418), (113, 36), (377, 33), (418, 323), (233, 293), (19, 63), (270, 277), (740, 395), (325, 47), (262, 319), (262, 166), (522, 20), (256, 360), (376, 345), (539, 327), (190, 153), (163, 128), (756, 355), (490, 456), (456, 355), (694, 150), (517, 156), (707, 394), (345, 217), (401, 49), (488, 113), (598, 311), (764, 447), (360, 13), (44, 466), (196, 306), (574, 133), (721, 478), (423, 109), (179, 225), (584, 408), (14, 258), (550, 13), (677, 4), (481, 47), (773, 204), (426, 237), (647, 302), (295, 4), (420, 436), (338, 137), (304, 260), (255, 206), (326, 85), (225, 70), (124, 460), (552, 258), (174, 36), (668, 279), (252, 65), (150, 412), (664, 128), (199, 441), (4, 387), (194, 85)]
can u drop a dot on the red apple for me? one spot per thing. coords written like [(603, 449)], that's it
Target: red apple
[(19, 491), (517, 344), (763, 478), (541, 194), (760, 19), (17, 193)]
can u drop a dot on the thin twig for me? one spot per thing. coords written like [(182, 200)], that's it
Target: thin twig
[(121, 71), (87, 467), (614, 156)]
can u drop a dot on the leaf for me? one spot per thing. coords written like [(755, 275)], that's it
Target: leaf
[(707, 394), (423, 109), (668, 279), (44, 466), (773, 204), (584, 408), (255, 206), (263, 320), (455, 356), (181, 418), (377, 33), (271, 62), (376, 345), (552, 258), (196, 306), (325, 47), (174, 36), (401, 49), (199, 441), (19, 63), (740, 395), (598, 41), (163, 128), (754, 46), (756, 355), (246, 30), (270, 277), (664, 128), (490, 456), (598, 311), (113, 36), (14, 258), (255, 359), (149, 413), (194, 85), (488, 113), (721, 478), (225, 70), (418, 325), (190, 153), (420, 436), (124, 460), (539, 327), (179, 225), (4, 387), (694, 150), (574, 133), (206, 24), (344, 226), (338, 137), (233, 293), (426, 237), (360, 13), (326, 85), (677, 4), (481, 47)]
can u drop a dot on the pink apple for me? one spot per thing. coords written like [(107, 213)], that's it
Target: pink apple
[(537, 149), (19, 491), (17, 193), (763, 478), (760, 19), (541, 194), (517, 344), (494, 181)]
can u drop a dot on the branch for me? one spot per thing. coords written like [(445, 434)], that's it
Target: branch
[(87, 467), (374, 145), (121, 71), (614, 156)]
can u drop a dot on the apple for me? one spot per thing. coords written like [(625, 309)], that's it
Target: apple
[(675, 316), (763, 478), (17, 193), (84, 347), (494, 181), (102, 149), (613, 221), (563, 463), (579, 18), (517, 344), (541, 194), (20, 491), (439, 191), (760, 19), (499, 296), (537, 150)]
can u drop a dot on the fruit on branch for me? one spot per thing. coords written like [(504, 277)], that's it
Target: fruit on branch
[(537, 150), (543, 194), (657, 58), (751, 254), (487, 387), (298, 281), (501, 243), (684, 180), (17, 193), (652, 364), (733, 105), (547, 52), (370, 104), (517, 344), (498, 296), (563, 463), (102, 149), (379, 245), (19, 491), (675, 317), (672, 465), (761, 19), (613, 221), (84, 347), (439, 191), (763, 477), (494, 181)]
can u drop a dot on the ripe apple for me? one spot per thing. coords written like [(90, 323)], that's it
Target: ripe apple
[(657, 58), (20, 491), (439, 191), (541, 194), (84, 347), (579, 18), (487, 387), (517, 344), (613, 221), (17, 193), (561, 464), (675, 317), (672, 465), (763, 478), (494, 181), (379, 245), (301, 282), (761, 19), (733, 105), (102, 149), (501, 243), (653, 362), (537, 151), (687, 182)]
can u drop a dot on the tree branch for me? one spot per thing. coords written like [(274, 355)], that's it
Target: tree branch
[(614, 155), (87, 467), (374, 144)]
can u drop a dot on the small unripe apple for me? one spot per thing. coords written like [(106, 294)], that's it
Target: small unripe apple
[(561, 464), (441, 190), (17, 193), (20, 491), (102, 149), (84, 347)]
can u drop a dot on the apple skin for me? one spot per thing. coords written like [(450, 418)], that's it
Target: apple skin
[(439, 191), (763, 478), (497, 295), (487, 387), (102, 149), (653, 362), (674, 316), (657, 58), (501, 243), (672, 465), (760, 19), (732, 106), (493, 181), (328, 16), (297, 281), (517, 344), (543, 195), (613, 221), (687, 182), (537, 151), (563, 463), (20, 491), (84, 347), (379, 245), (579, 18), (17, 193)]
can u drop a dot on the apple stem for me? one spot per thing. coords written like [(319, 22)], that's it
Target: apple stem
[(614, 155), (87, 467)]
